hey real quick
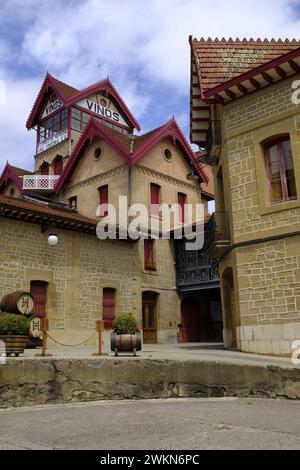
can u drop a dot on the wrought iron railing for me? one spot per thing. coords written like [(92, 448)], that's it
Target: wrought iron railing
[(217, 228), (39, 182)]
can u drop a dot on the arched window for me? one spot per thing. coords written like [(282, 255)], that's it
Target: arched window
[(280, 170), (44, 168), (58, 165), (109, 307)]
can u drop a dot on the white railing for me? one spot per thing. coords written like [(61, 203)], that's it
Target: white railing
[(39, 182)]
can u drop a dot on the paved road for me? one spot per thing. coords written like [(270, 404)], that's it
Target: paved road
[(216, 423)]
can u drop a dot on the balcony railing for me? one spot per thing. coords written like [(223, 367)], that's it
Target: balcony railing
[(217, 234), (39, 182)]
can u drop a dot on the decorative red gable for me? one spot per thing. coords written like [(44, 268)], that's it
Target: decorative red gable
[(122, 145), (69, 96)]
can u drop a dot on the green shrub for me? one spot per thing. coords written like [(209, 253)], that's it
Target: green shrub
[(125, 324), (14, 325)]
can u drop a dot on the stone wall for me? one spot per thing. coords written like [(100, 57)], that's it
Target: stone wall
[(27, 382), (266, 274)]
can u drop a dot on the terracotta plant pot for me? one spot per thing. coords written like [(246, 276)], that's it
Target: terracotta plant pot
[(126, 343), (14, 344)]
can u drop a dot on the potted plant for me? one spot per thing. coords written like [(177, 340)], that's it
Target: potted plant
[(126, 336), (14, 333)]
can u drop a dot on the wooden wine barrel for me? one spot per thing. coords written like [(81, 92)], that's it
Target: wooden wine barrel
[(14, 344), (126, 343), (18, 302)]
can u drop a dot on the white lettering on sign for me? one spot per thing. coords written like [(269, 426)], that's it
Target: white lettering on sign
[(102, 111), (50, 108), (55, 139)]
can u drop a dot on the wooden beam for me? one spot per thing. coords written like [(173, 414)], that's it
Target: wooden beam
[(242, 89), (255, 83), (230, 94), (294, 66), (280, 72), (267, 77)]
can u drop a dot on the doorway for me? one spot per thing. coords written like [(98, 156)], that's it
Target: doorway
[(149, 316), (229, 302), (38, 290)]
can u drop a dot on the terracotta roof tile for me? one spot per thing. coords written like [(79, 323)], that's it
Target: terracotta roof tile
[(20, 171), (221, 60)]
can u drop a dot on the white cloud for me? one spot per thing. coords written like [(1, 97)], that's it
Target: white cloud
[(143, 46)]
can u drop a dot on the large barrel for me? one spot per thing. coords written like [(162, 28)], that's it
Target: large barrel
[(126, 343), (17, 302)]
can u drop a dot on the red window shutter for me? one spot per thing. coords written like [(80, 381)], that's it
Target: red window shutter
[(155, 198), (45, 169), (103, 200), (149, 255), (38, 290), (109, 307), (181, 203), (58, 166)]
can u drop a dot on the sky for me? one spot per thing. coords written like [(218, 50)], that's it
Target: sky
[(142, 45)]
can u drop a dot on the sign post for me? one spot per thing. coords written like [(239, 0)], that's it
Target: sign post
[(45, 326), (99, 329)]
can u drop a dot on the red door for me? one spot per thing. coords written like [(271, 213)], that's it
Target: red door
[(191, 321), (38, 290)]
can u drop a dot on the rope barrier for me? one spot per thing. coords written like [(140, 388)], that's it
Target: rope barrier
[(69, 345)]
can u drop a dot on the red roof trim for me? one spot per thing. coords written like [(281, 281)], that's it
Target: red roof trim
[(95, 128), (252, 73), (171, 129), (9, 174), (49, 82), (104, 85)]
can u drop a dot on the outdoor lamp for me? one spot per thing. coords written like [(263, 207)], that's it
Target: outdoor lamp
[(53, 239), (192, 175)]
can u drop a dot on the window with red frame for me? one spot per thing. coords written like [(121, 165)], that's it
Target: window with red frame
[(155, 198), (181, 203), (149, 255), (109, 307), (53, 125), (103, 200), (73, 202), (280, 170), (45, 169), (58, 165)]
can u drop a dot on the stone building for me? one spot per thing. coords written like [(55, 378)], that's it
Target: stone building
[(88, 153), (245, 113)]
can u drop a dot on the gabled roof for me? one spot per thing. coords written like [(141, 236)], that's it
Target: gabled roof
[(13, 174), (69, 95), (130, 148), (225, 70)]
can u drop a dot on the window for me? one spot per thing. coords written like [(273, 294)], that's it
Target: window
[(149, 255), (44, 168), (53, 125), (98, 153), (181, 203), (103, 200), (109, 307), (155, 198), (79, 119), (280, 170), (73, 202), (58, 165), (167, 154)]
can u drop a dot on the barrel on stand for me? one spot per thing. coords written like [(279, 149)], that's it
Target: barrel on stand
[(19, 302), (126, 343)]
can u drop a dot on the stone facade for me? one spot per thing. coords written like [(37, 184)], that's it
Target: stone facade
[(264, 259)]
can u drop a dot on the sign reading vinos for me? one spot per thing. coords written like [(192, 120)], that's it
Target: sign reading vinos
[(100, 110), (51, 107)]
